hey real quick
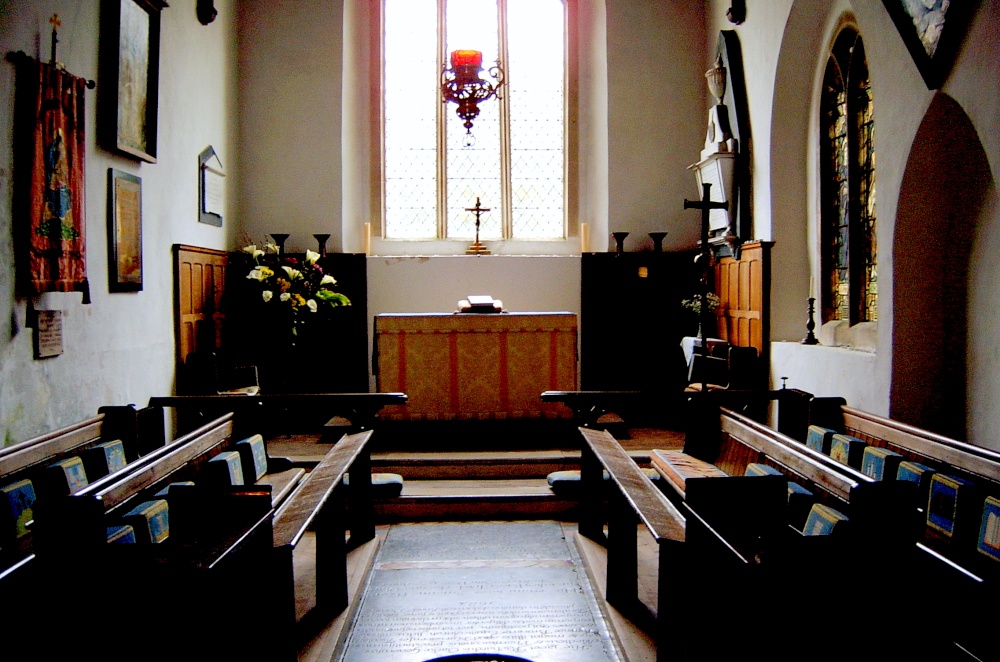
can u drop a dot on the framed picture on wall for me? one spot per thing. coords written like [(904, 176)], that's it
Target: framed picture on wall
[(124, 231), (130, 61), (932, 31)]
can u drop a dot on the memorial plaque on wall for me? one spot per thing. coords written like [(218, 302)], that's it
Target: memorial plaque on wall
[(48, 334)]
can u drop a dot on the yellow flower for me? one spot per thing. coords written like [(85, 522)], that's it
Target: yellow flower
[(267, 271), (283, 285)]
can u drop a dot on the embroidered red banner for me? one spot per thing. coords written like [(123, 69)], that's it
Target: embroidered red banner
[(57, 253)]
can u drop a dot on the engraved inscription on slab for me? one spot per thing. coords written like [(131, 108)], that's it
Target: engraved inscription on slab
[(541, 614), (48, 334)]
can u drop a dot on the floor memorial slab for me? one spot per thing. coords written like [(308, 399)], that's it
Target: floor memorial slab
[(509, 588)]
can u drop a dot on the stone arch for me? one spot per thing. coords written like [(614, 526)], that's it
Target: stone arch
[(942, 193)]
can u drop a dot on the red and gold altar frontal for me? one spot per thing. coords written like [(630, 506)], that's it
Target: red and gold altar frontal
[(474, 366)]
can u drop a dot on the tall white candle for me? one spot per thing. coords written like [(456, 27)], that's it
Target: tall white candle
[(584, 238), (367, 239), (812, 287)]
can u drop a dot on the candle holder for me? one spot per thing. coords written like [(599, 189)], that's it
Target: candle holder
[(810, 338), (619, 241), (657, 238), (279, 240), (321, 240)]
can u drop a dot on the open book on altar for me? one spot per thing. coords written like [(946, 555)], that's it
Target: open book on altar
[(480, 303)]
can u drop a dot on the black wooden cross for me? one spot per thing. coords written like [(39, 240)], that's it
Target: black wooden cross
[(706, 206)]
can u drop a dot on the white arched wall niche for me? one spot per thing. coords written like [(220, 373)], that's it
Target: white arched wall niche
[(861, 377), (945, 186)]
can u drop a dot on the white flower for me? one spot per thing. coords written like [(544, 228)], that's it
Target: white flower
[(285, 296), (328, 280), (267, 294), (293, 274), (256, 274), (270, 248), (311, 305), (311, 256), (252, 250)]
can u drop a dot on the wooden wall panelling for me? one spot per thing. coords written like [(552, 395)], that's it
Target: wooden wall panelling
[(199, 280), (743, 285)]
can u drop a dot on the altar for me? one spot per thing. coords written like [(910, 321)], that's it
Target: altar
[(468, 366)]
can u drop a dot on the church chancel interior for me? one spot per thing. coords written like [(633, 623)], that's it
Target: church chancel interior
[(499, 330)]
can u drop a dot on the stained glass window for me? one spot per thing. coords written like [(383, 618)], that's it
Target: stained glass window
[(515, 164), (847, 171)]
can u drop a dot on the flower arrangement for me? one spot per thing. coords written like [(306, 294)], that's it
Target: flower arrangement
[(290, 285), (694, 304)]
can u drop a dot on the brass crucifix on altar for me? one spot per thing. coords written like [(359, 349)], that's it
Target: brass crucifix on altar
[(477, 248)]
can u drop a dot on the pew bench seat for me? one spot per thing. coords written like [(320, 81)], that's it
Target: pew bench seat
[(282, 483), (677, 467)]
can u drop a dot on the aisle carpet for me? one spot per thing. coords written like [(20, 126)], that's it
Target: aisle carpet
[(509, 588)]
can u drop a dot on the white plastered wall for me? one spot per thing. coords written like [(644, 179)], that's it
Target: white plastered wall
[(120, 348)]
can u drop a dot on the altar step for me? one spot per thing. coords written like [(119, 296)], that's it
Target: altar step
[(478, 486), (440, 501)]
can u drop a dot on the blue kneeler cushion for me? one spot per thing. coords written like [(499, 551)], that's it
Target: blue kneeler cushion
[(989, 530), (104, 458), (66, 476), (948, 494), (150, 520), (384, 485), (824, 520), (226, 468), (818, 438), (880, 463), (847, 450), (121, 534), (915, 472), (566, 483), (17, 501), (253, 454)]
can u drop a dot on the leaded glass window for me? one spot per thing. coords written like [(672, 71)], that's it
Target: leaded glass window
[(847, 190), (516, 163)]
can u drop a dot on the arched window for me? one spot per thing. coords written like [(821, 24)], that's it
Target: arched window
[(847, 186), (516, 165)]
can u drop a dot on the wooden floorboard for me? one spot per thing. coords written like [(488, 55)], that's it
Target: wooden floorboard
[(322, 641), (634, 644)]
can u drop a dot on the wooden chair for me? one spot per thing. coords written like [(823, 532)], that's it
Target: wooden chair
[(728, 367)]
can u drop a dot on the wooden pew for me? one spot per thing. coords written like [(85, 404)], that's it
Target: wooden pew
[(270, 415), (779, 561), (115, 600), (318, 505), (943, 586), (697, 564), (140, 432), (946, 562), (227, 561)]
